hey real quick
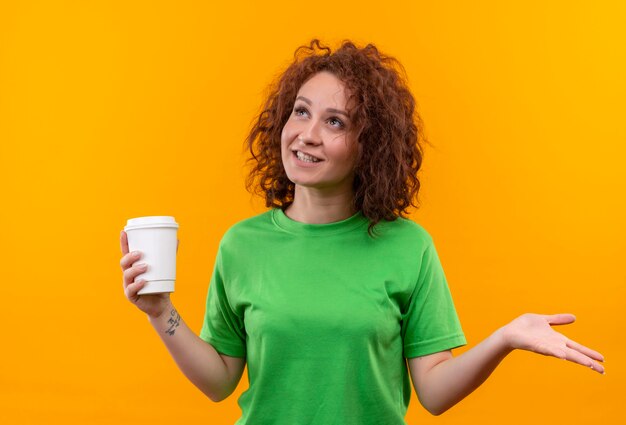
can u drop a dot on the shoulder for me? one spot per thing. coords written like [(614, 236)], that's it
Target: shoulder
[(406, 231), (248, 229)]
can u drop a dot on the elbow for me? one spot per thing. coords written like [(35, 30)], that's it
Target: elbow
[(221, 395), (435, 409), (213, 394), (217, 395), (216, 398), (436, 412)]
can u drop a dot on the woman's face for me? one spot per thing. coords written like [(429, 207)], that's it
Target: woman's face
[(317, 143)]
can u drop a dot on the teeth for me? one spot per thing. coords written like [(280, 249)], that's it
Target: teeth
[(306, 158)]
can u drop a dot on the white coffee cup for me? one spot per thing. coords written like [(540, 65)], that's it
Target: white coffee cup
[(156, 238)]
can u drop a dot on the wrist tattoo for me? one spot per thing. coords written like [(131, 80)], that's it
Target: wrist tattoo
[(173, 321)]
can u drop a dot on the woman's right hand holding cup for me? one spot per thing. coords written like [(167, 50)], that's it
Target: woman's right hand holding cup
[(152, 304)]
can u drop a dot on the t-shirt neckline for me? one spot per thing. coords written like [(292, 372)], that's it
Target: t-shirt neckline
[(281, 220)]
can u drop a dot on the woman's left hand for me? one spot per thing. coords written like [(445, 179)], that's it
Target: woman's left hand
[(533, 332)]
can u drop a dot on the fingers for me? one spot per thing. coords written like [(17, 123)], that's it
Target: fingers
[(131, 273), (128, 259), (124, 242), (585, 350), (132, 289), (581, 359), (560, 319)]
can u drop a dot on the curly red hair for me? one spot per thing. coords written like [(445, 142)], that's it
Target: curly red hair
[(386, 124)]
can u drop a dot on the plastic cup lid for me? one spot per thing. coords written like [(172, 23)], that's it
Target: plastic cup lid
[(151, 221)]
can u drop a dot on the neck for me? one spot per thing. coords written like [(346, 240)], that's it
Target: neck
[(312, 206)]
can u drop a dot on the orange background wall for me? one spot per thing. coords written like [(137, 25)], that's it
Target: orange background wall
[(111, 110)]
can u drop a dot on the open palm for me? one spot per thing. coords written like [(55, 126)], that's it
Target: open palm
[(534, 332)]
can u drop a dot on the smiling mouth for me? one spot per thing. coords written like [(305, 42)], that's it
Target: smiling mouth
[(305, 157)]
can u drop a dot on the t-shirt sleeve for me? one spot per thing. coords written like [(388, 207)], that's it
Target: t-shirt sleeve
[(222, 327), (430, 323)]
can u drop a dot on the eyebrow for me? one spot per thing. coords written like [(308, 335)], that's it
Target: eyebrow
[(336, 111)]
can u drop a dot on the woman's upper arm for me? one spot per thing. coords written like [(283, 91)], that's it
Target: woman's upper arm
[(235, 366), (419, 366)]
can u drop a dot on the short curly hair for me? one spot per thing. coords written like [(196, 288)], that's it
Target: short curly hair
[(386, 124)]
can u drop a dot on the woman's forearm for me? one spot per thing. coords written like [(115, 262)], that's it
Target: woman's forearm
[(452, 380), (198, 360)]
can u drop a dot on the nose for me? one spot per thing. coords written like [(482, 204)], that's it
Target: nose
[(310, 134)]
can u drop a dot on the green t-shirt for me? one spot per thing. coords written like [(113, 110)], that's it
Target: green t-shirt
[(325, 316)]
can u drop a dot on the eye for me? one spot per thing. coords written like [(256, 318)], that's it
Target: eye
[(299, 111), (336, 122)]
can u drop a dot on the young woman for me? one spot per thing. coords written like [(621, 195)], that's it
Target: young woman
[(333, 297)]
